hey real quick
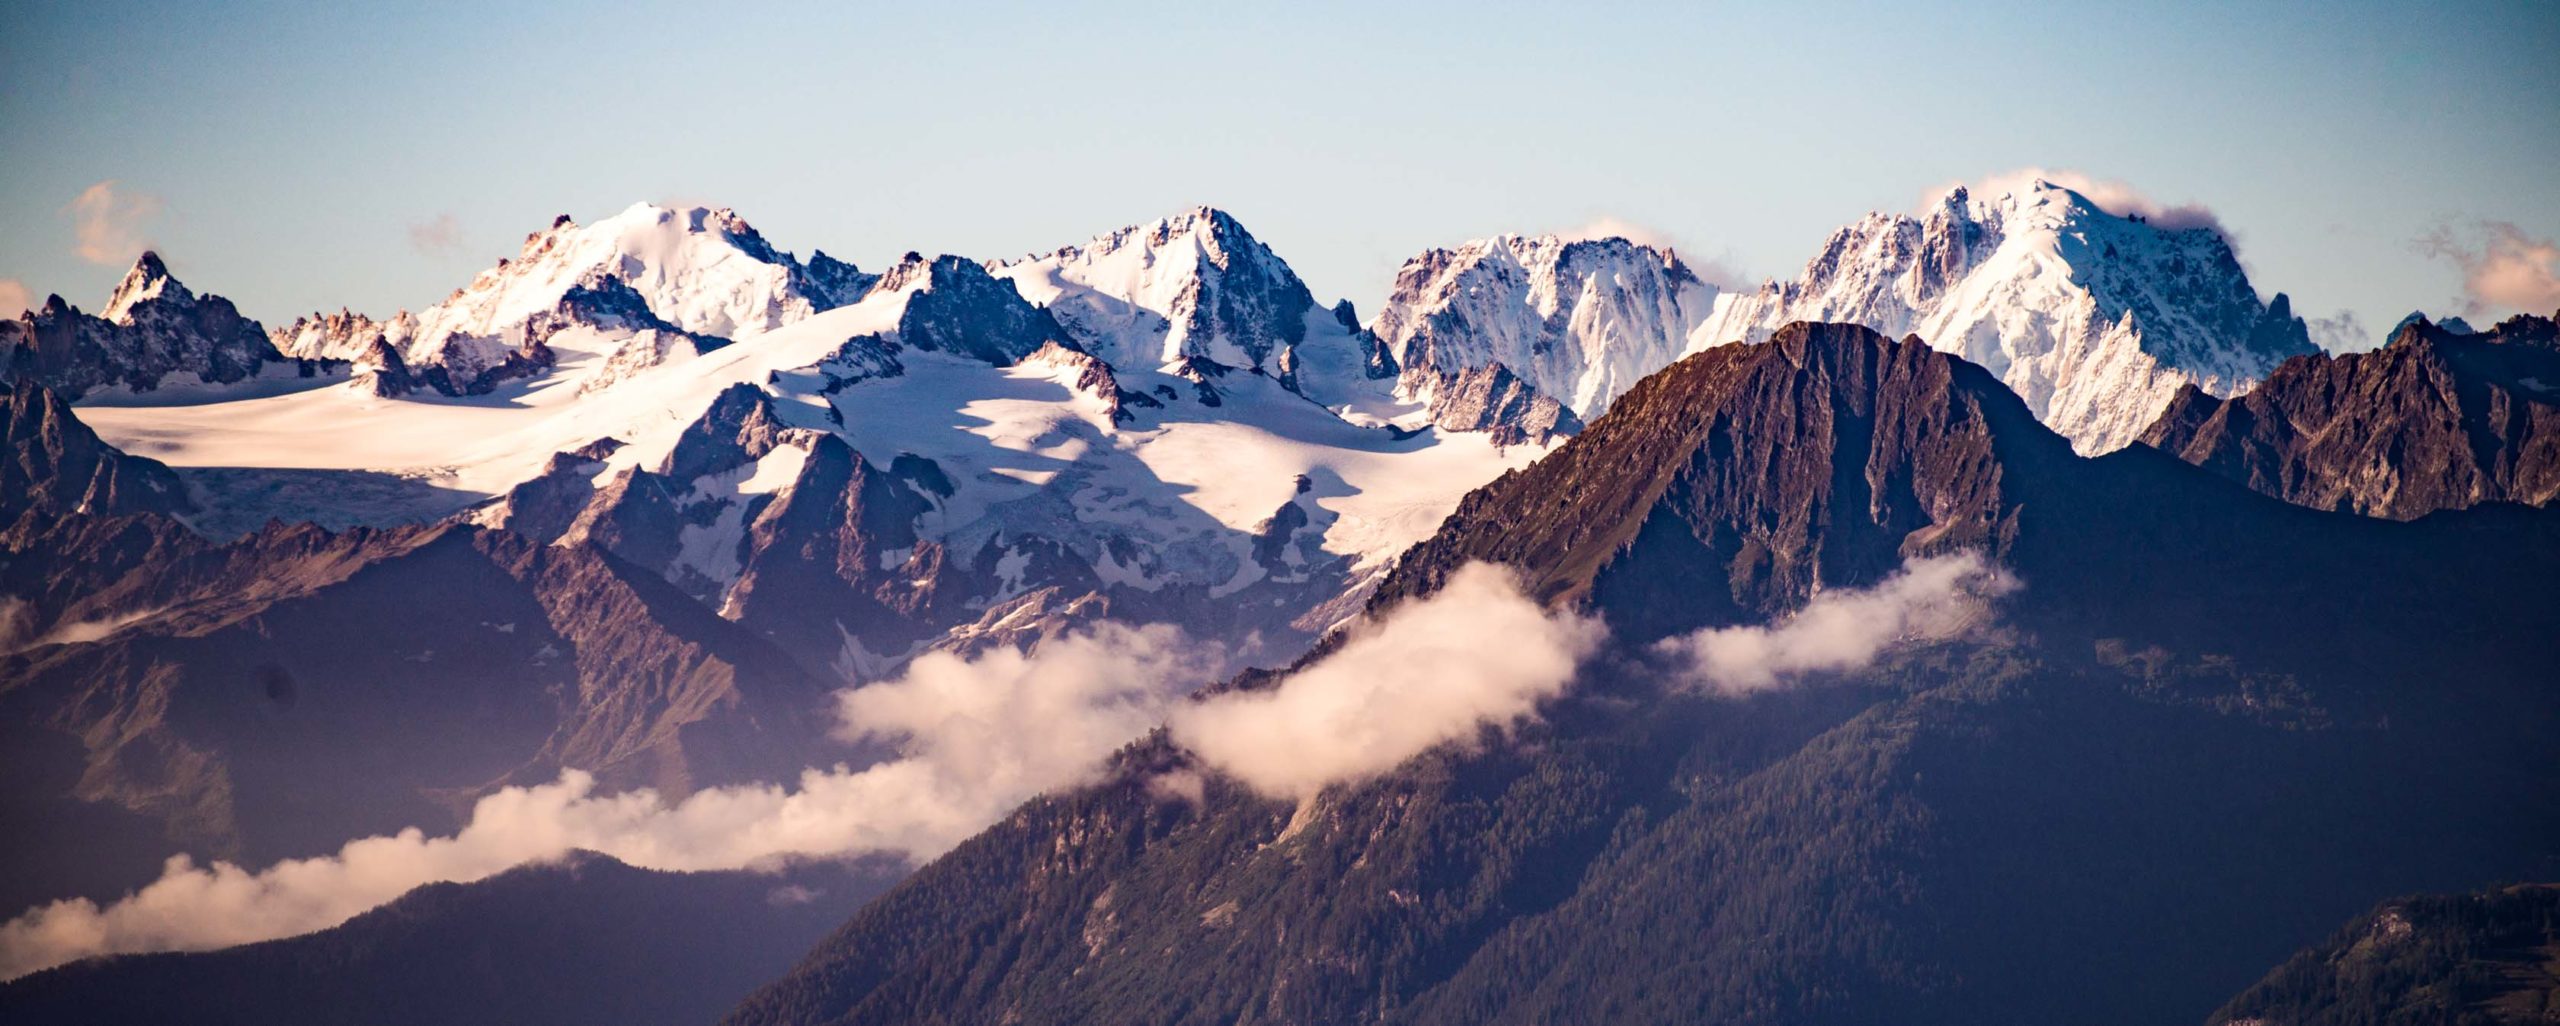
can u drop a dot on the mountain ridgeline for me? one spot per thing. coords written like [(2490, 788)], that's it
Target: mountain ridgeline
[(584, 939), (643, 499), (2194, 743), (2436, 419)]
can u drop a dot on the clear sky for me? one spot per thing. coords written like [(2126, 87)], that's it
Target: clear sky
[(297, 156)]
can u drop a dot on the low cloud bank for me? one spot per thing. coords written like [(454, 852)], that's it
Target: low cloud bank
[(980, 736), (1929, 600), (1476, 654)]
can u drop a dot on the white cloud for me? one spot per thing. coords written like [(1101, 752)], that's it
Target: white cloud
[(2503, 269), (1932, 599), (2341, 332), (14, 298), (108, 222), (981, 735), (438, 236), (1476, 654), (2114, 197)]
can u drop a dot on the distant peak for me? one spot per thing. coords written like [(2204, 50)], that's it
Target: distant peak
[(148, 280)]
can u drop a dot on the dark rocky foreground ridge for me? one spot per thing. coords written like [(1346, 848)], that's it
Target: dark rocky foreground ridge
[(2212, 726), (2435, 419)]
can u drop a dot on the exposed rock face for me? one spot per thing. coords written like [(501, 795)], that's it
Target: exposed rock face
[(53, 465), (345, 335), (1575, 321), (955, 306), (2142, 766), (217, 681), (1821, 458), (602, 301), (153, 328), (831, 283), (1493, 399), (2436, 419), (785, 530), (162, 692), (1089, 375), (695, 274), (1192, 285), (2096, 320)]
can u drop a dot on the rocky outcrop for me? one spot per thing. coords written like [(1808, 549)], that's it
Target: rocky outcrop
[(1492, 399), (153, 330), (52, 465), (1746, 477), (2436, 419), (954, 306), (2096, 319), (2142, 763), (1577, 321), (219, 699), (1196, 284)]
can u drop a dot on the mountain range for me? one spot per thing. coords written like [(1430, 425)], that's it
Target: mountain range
[(650, 498)]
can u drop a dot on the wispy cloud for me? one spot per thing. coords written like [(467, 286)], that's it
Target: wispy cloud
[(2112, 196), (438, 236), (1929, 600), (2341, 332), (1476, 654), (108, 221), (979, 736), (2504, 270), (1714, 270), (14, 298)]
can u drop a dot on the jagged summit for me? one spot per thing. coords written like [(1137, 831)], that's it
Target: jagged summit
[(1192, 284), (154, 330), (1576, 321), (2455, 325), (2436, 419), (1733, 451), (646, 286), (951, 304), (2094, 318), (148, 280)]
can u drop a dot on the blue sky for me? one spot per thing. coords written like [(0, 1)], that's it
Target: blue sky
[(296, 156)]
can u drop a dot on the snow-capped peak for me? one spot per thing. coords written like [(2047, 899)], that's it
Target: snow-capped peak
[(701, 271), (1575, 320), (148, 280), (1192, 284), (2094, 318)]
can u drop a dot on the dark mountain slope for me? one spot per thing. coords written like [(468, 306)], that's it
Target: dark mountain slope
[(280, 694), (2485, 959), (2436, 419), (2214, 725), (585, 940)]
